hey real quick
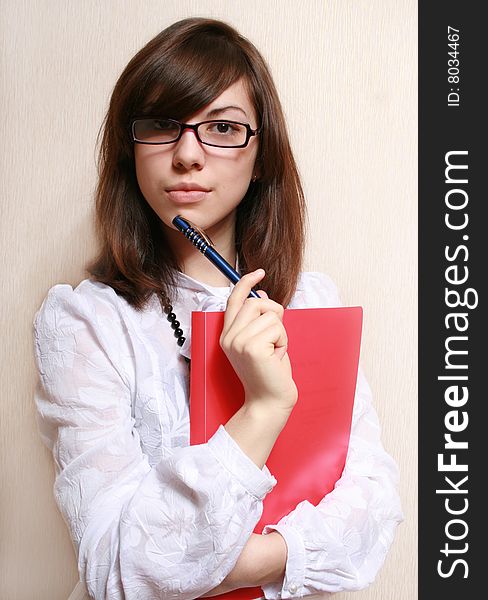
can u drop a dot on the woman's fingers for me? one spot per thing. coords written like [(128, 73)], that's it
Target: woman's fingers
[(265, 331), (243, 311), (239, 294), (251, 309), (254, 340)]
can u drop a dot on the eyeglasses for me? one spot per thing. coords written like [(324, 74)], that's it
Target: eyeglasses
[(222, 134)]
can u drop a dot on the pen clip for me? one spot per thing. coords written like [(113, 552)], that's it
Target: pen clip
[(201, 232)]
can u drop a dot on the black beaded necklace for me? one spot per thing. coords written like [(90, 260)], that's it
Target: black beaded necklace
[(175, 324)]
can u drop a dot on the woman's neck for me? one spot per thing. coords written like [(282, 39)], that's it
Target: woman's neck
[(195, 264), (201, 269)]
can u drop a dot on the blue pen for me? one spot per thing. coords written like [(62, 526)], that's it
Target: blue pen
[(203, 243)]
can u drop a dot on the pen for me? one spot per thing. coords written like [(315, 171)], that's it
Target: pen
[(203, 243)]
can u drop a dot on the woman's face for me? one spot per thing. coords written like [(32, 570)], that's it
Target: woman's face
[(224, 173)]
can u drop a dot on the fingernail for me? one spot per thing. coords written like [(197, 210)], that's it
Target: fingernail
[(259, 272)]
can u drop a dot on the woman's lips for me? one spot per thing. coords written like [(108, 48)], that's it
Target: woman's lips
[(186, 196)]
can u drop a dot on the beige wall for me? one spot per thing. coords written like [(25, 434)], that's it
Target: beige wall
[(346, 72)]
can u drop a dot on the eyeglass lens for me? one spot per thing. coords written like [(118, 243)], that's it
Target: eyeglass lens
[(217, 133)]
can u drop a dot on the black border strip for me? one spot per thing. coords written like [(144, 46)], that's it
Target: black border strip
[(452, 543)]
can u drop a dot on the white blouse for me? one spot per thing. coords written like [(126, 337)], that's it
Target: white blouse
[(151, 516)]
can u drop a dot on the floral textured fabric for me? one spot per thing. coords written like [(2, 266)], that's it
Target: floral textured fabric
[(151, 516)]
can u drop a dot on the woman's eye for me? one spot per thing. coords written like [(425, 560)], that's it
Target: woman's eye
[(163, 125), (223, 128)]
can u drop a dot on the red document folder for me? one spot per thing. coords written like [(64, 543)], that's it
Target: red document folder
[(310, 452)]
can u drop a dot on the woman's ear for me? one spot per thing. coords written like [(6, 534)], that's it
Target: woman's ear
[(256, 173)]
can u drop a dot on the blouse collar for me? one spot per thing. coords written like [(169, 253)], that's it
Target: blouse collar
[(186, 282)]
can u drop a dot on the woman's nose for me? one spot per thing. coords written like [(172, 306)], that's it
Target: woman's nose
[(188, 151)]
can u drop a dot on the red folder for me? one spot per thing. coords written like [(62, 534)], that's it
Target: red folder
[(310, 452)]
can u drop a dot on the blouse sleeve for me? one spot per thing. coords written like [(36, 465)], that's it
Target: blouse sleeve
[(174, 530), (341, 543)]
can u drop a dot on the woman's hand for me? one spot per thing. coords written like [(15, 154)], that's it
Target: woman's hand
[(261, 562), (255, 342)]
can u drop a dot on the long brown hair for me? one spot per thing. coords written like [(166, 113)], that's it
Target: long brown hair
[(177, 73)]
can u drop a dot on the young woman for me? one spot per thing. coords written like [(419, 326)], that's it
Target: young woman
[(195, 128)]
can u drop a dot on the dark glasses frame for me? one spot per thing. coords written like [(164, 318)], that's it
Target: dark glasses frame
[(183, 126)]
